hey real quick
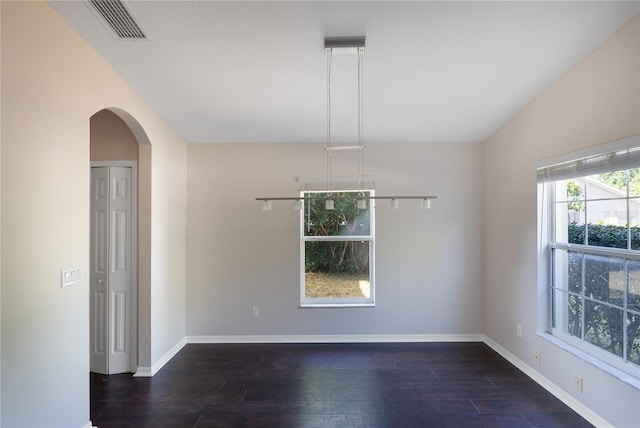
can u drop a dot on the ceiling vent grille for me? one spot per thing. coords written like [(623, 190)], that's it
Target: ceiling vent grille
[(118, 19)]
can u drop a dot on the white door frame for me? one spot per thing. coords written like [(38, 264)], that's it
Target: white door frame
[(133, 334)]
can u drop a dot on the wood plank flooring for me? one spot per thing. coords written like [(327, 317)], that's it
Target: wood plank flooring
[(330, 385)]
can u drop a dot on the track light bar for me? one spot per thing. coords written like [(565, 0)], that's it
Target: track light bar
[(335, 198)]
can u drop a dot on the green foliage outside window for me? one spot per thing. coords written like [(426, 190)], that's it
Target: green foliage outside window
[(598, 311), (602, 235), (618, 179), (574, 194), (603, 324), (345, 220)]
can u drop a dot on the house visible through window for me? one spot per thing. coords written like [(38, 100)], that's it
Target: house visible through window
[(593, 240), (337, 250)]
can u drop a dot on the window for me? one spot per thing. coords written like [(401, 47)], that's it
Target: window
[(593, 204), (337, 250)]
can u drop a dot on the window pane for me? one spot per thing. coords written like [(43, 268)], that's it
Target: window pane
[(569, 224), (634, 182), (634, 222), (337, 269), (567, 270), (567, 313), (571, 190), (575, 271), (569, 218), (604, 279), (633, 296), (633, 338), (344, 220), (607, 223), (607, 185), (603, 327)]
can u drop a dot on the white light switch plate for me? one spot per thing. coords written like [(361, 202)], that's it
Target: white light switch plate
[(70, 276)]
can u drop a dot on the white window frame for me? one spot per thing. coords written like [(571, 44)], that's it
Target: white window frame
[(582, 164), (306, 302)]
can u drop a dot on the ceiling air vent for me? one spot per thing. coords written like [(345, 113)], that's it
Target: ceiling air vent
[(118, 19)]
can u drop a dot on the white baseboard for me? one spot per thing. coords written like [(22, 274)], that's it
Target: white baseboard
[(554, 389), (337, 338), (143, 372), (88, 425), (150, 371)]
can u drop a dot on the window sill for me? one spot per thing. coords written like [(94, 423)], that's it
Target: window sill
[(337, 305), (594, 361)]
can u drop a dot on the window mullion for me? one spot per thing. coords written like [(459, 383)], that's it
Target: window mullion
[(626, 271), (628, 212), (338, 238), (586, 214), (600, 251), (583, 287), (624, 309)]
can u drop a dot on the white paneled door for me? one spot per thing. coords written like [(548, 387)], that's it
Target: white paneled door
[(112, 203)]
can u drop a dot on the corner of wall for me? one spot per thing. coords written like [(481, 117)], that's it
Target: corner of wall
[(558, 392), (0, 216)]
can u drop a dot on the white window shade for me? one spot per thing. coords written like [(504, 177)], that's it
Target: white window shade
[(611, 158)]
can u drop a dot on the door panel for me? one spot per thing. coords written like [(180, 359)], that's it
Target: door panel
[(119, 247), (111, 270), (98, 277), (100, 328), (119, 316), (101, 227), (120, 244)]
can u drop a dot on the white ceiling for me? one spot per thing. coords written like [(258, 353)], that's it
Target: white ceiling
[(434, 71)]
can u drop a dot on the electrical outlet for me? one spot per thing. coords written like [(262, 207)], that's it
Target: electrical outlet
[(537, 357), (255, 312), (577, 383), (519, 330)]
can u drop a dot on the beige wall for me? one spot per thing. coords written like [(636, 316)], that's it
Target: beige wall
[(594, 103), (168, 247), (428, 262), (111, 139), (0, 217), (52, 83)]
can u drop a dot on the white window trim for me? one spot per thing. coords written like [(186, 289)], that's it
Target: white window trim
[(600, 358), (339, 302)]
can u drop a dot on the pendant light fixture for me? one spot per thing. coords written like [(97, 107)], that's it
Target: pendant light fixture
[(342, 46), (348, 46)]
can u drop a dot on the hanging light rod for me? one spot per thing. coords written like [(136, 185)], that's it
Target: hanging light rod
[(344, 45)]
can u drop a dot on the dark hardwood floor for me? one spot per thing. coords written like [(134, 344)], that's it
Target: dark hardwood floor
[(330, 385)]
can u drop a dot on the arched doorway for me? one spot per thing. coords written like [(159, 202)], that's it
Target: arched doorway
[(117, 142)]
